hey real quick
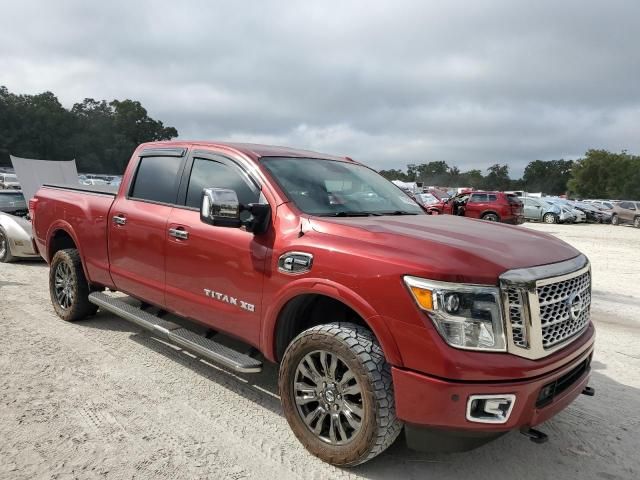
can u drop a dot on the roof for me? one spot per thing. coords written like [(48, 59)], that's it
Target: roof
[(251, 150)]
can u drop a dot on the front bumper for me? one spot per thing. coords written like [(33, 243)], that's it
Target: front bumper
[(434, 409)]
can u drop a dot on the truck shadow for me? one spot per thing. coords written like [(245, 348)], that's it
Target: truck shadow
[(592, 438)]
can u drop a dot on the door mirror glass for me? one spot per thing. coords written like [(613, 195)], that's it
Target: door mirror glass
[(220, 207)]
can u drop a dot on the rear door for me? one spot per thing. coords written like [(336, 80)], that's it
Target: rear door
[(477, 204), (138, 225), (215, 274), (627, 211), (532, 209)]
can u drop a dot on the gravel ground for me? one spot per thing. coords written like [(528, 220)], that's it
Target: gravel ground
[(101, 398)]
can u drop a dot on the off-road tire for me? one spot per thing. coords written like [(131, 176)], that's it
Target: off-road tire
[(549, 218), (6, 256), (636, 222), (615, 220), (80, 307), (362, 353), (491, 217)]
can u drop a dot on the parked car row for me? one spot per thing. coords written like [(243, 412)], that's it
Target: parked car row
[(9, 181)]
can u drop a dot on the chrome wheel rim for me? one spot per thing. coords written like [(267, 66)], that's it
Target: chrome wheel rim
[(328, 397), (549, 219), (64, 285), (3, 245)]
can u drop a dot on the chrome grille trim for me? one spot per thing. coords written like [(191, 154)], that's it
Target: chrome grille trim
[(535, 304)]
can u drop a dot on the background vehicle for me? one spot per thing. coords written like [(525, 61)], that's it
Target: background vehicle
[(539, 210), (429, 203), (15, 228), (382, 318), (491, 206), (581, 217), (9, 181), (626, 212)]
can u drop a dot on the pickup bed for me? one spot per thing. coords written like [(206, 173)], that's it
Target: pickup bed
[(383, 319)]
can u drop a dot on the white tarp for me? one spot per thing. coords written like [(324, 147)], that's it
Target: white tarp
[(32, 174)]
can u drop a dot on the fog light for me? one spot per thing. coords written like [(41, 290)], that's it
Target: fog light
[(490, 408)]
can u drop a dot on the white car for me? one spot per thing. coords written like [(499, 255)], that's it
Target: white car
[(9, 181)]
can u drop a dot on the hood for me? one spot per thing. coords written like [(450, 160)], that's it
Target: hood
[(447, 247)]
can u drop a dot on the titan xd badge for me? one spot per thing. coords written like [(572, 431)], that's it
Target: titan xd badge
[(223, 297)]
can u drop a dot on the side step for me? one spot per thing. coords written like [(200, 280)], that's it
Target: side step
[(174, 333)]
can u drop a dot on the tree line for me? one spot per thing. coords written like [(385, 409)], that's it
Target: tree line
[(599, 174), (99, 135)]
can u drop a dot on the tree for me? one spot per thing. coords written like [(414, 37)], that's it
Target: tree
[(547, 176), (101, 136), (603, 174), (498, 178)]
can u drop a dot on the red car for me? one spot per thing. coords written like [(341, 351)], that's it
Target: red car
[(490, 206), (383, 319)]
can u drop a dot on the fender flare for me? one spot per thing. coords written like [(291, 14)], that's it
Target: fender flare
[(62, 225), (491, 211), (339, 292)]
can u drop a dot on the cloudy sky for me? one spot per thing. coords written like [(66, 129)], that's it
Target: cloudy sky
[(388, 83)]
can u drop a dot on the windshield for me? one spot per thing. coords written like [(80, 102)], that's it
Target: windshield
[(336, 188)]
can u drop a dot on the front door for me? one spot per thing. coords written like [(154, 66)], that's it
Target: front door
[(215, 274), (138, 226)]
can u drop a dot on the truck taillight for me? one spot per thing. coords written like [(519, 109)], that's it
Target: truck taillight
[(32, 208)]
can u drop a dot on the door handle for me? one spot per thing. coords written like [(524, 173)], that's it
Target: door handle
[(179, 233), (119, 219)]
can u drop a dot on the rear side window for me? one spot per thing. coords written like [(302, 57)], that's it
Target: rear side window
[(512, 198), (157, 179), (212, 174), (493, 198), (478, 198)]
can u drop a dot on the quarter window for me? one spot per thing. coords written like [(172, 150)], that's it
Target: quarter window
[(157, 179)]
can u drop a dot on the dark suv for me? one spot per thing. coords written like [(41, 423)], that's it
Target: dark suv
[(491, 206), (626, 212)]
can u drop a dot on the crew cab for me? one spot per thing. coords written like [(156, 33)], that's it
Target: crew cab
[(491, 206), (383, 319)]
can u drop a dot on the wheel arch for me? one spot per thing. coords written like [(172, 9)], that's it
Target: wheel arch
[(283, 320), (62, 236), (486, 212)]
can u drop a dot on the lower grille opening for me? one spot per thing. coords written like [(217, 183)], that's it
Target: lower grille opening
[(551, 390)]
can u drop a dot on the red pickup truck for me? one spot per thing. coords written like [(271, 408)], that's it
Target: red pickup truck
[(381, 317)]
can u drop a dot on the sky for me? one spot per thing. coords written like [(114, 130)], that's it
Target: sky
[(472, 83)]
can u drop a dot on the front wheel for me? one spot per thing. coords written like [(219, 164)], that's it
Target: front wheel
[(615, 220), (5, 251), (636, 222), (68, 286), (549, 218), (337, 394)]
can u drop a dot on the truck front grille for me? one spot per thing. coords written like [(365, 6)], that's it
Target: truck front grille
[(543, 312)]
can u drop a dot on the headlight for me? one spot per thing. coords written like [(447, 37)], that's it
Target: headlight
[(467, 316)]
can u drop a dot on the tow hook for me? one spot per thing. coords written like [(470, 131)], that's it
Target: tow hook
[(536, 436), (589, 391)]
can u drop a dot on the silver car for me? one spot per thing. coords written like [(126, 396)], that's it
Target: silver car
[(539, 210), (8, 181), (15, 228)]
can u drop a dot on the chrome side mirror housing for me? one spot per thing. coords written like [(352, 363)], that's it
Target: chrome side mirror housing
[(220, 207)]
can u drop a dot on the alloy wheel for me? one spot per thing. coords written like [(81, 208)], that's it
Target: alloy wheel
[(64, 285), (3, 245), (328, 397)]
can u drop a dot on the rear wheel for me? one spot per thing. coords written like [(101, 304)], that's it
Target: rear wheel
[(636, 222), (337, 393), (549, 218), (615, 220), (5, 252), (491, 217), (68, 286)]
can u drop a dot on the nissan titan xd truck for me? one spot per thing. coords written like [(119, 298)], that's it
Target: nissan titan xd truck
[(383, 319)]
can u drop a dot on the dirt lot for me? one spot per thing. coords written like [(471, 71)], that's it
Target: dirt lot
[(100, 398)]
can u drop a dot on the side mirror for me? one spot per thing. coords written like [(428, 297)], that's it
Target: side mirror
[(220, 207)]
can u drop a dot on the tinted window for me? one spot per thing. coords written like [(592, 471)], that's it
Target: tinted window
[(478, 198), (212, 174), (157, 179), (493, 198), (12, 200)]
